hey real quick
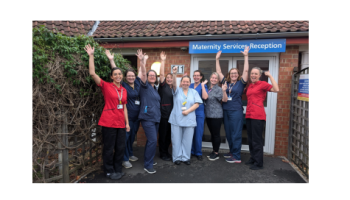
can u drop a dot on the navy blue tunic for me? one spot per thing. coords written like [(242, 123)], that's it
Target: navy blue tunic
[(150, 98), (133, 95)]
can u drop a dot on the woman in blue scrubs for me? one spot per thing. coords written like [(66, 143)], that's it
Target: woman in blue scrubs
[(149, 112), (233, 107), (200, 86), (131, 83), (183, 119)]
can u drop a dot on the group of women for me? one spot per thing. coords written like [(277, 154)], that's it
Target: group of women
[(178, 113)]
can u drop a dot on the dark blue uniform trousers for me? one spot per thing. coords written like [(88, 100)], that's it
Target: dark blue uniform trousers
[(151, 132), (197, 136), (233, 123), (130, 138)]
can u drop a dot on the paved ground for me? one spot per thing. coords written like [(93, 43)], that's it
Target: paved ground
[(219, 171)]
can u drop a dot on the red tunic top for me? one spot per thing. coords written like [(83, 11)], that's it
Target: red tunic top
[(111, 116), (256, 94)]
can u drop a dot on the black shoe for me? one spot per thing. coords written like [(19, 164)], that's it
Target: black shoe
[(177, 162), (255, 167), (249, 162), (117, 175), (200, 158), (165, 158), (187, 162), (213, 156)]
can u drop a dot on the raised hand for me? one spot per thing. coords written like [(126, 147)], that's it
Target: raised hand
[(139, 54), (224, 86), (246, 50), (218, 54), (109, 55), (162, 55), (90, 51), (174, 70), (205, 82), (267, 73)]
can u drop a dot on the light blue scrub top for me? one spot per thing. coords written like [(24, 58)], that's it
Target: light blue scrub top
[(176, 116)]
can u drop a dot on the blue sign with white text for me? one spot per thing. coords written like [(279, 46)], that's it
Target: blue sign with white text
[(236, 46)]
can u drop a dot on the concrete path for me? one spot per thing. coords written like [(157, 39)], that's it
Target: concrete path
[(219, 171)]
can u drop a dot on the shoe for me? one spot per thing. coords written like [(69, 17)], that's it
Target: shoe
[(133, 158), (249, 162), (200, 158), (187, 162), (165, 158), (117, 175), (228, 155), (232, 160), (150, 171), (154, 163), (213, 156), (126, 164), (255, 167), (177, 162)]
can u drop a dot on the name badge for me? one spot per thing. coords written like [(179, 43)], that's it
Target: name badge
[(120, 106), (137, 102), (183, 108), (229, 98)]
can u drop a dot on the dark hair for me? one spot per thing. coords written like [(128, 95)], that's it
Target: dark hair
[(126, 72), (115, 68), (228, 78), (156, 82), (201, 74), (185, 77)]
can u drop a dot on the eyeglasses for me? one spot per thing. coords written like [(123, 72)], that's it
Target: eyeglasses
[(152, 75), (234, 73), (130, 76)]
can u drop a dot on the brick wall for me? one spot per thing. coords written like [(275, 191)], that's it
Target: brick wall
[(173, 57), (288, 61)]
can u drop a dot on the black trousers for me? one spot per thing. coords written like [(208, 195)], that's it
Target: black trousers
[(214, 125), (113, 140), (255, 130), (164, 137)]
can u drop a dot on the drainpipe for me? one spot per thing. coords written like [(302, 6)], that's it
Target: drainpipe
[(93, 29)]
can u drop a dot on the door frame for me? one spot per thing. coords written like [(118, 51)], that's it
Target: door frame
[(272, 97)]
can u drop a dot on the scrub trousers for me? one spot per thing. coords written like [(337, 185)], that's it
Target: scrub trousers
[(214, 125), (113, 149), (130, 138), (164, 137), (181, 139), (233, 123), (198, 135), (255, 130), (151, 130)]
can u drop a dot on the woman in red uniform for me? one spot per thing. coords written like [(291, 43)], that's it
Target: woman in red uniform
[(256, 116), (114, 118)]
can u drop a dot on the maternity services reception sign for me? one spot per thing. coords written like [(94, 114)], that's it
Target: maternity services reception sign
[(236, 46)]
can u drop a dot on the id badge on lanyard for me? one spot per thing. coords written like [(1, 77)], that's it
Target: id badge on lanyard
[(229, 98), (137, 102), (185, 101), (120, 105)]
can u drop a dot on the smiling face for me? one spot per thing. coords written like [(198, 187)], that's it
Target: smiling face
[(197, 77), (214, 79), (234, 74), (255, 75), (185, 82), (169, 79), (117, 76), (130, 77), (152, 77)]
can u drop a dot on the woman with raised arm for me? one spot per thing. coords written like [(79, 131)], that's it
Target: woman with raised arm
[(131, 83), (256, 116), (166, 96), (214, 114), (114, 118), (233, 107), (200, 86), (183, 119), (149, 112)]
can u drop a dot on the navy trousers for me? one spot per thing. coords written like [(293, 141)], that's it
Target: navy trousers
[(151, 131), (233, 123), (255, 130), (197, 136), (130, 138)]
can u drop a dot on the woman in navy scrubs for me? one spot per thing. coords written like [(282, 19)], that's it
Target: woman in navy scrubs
[(149, 112), (200, 86), (233, 107), (166, 95), (131, 83)]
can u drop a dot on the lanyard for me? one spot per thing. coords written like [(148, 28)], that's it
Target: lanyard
[(230, 88), (184, 97), (120, 98)]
